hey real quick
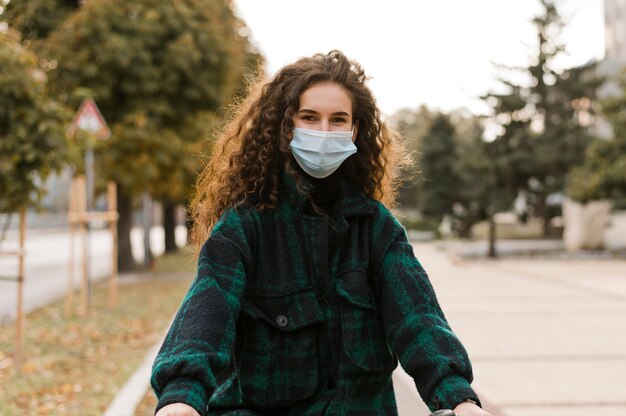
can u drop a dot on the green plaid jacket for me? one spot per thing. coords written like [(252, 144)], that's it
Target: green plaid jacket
[(293, 314)]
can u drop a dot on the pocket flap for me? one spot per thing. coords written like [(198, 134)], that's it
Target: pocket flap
[(354, 288), (287, 312)]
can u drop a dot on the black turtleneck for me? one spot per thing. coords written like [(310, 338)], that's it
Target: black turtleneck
[(325, 190)]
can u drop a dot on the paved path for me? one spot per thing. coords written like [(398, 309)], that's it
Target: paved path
[(546, 338)]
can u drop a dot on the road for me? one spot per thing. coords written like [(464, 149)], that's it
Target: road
[(47, 265)]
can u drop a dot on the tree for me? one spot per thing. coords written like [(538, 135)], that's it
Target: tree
[(413, 125), (153, 67), (36, 19), (449, 174), (32, 140), (439, 169), (602, 175), (473, 173), (544, 122)]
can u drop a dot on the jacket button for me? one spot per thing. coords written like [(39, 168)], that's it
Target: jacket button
[(281, 321)]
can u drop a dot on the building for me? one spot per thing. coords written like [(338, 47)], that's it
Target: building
[(615, 31), (614, 55)]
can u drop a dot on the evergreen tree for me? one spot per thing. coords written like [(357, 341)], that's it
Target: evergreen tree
[(472, 167), (544, 121), (460, 182), (413, 125), (439, 169)]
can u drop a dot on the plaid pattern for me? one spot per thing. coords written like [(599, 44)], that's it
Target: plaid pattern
[(293, 314)]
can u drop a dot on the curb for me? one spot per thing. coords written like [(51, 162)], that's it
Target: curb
[(129, 396)]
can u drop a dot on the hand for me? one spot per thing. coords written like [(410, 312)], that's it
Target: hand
[(470, 409), (177, 409)]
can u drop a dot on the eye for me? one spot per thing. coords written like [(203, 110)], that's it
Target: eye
[(308, 117), (338, 120)]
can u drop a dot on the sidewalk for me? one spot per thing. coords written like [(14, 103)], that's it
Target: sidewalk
[(546, 337)]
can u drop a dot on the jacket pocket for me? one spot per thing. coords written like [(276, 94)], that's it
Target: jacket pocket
[(362, 332), (278, 362)]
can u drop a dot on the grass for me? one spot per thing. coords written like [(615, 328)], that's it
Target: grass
[(76, 365)]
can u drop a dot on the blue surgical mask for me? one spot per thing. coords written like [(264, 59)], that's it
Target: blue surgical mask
[(320, 153)]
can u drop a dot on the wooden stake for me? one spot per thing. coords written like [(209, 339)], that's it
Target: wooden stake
[(112, 197), (69, 297), (19, 333)]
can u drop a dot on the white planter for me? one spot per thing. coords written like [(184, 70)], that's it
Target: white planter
[(584, 224), (615, 233)]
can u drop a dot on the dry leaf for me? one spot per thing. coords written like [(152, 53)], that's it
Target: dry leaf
[(29, 367), (6, 363)]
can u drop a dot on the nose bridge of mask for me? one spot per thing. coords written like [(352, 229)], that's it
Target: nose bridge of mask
[(320, 153), (322, 134)]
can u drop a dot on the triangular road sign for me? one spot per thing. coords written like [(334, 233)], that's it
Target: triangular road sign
[(88, 118)]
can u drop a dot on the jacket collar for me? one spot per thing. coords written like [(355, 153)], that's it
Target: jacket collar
[(351, 201)]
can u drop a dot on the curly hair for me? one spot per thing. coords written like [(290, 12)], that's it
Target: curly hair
[(252, 151)]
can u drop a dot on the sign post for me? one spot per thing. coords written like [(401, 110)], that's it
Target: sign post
[(89, 119)]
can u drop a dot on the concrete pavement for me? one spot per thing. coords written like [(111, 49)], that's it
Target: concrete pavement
[(546, 337)]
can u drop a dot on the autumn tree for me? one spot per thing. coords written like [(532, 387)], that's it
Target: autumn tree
[(32, 140), (37, 19), (157, 70)]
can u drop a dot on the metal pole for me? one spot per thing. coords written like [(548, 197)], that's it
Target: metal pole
[(69, 298), (82, 208), (89, 173)]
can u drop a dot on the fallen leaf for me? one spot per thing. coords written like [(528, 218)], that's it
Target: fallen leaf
[(29, 367), (6, 363)]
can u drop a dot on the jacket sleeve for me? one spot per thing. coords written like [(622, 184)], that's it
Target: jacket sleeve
[(416, 328), (198, 346)]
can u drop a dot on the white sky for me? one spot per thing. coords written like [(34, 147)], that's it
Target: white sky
[(433, 52)]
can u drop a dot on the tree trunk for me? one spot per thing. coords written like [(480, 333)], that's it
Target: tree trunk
[(189, 224), (148, 257), (542, 212), (465, 229), (125, 259), (492, 238), (169, 226)]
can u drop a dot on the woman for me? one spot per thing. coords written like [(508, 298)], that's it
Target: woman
[(307, 291)]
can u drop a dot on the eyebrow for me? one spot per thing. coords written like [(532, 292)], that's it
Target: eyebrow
[(338, 113)]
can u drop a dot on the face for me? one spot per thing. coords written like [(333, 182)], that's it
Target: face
[(327, 107)]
